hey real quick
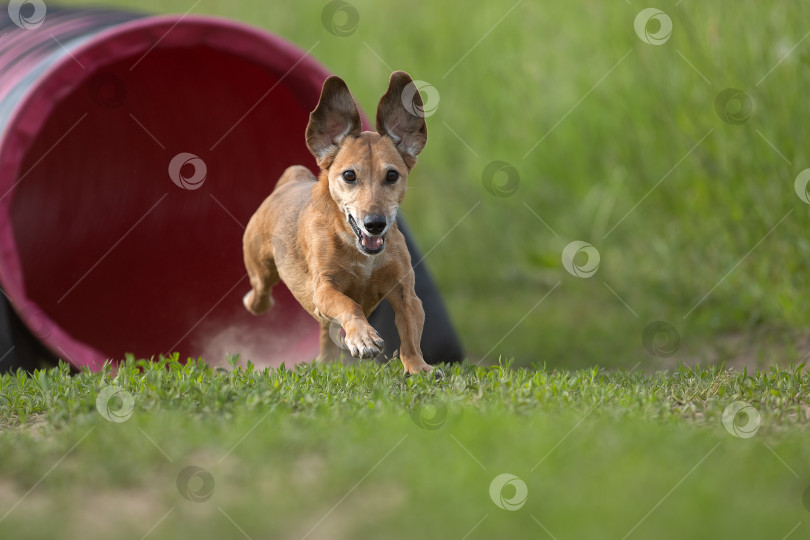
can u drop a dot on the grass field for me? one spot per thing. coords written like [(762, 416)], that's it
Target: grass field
[(328, 451)]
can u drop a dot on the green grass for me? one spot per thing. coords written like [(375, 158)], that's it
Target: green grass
[(362, 452)]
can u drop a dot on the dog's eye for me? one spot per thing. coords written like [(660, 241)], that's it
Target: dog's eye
[(349, 176), (391, 176)]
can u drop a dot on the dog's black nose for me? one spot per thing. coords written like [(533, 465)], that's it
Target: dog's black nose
[(375, 223)]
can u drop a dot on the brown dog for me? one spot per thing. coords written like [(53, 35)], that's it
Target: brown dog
[(334, 240)]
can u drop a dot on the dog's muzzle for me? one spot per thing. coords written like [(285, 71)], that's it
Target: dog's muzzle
[(369, 243)]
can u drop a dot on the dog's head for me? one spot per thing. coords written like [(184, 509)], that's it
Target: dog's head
[(367, 172)]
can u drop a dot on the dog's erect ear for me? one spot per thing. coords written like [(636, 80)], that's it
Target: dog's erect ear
[(401, 116), (335, 118)]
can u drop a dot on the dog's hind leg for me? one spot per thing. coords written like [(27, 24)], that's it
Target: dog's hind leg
[(263, 276), (259, 298)]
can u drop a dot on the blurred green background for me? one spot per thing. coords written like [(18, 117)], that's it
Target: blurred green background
[(617, 143)]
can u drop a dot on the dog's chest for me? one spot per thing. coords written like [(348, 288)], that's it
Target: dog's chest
[(363, 284), (363, 269)]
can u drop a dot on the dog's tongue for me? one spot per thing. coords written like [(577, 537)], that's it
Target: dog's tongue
[(372, 242)]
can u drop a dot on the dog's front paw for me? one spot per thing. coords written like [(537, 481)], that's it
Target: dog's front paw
[(420, 366), (363, 342)]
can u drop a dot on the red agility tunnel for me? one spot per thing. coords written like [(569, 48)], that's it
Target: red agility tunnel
[(133, 150)]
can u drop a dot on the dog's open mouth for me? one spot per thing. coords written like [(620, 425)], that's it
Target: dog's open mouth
[(367, 244)]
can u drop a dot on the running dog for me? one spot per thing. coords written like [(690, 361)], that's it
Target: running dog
[(333, 240)]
